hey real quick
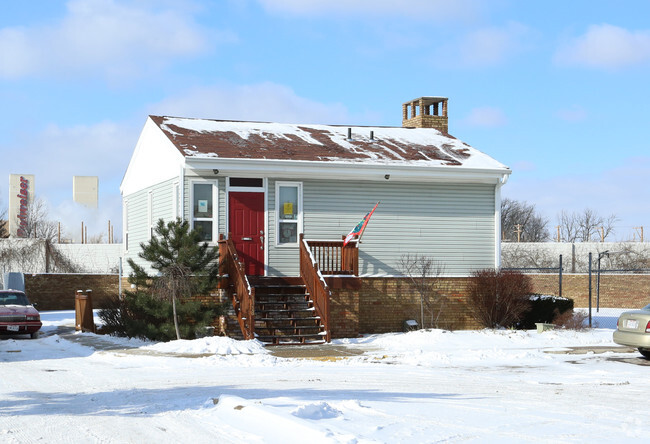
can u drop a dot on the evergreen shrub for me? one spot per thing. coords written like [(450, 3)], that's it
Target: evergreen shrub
[(141, 315), (164, 306)]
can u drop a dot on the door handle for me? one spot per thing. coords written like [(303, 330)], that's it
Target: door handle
[(247, 238)]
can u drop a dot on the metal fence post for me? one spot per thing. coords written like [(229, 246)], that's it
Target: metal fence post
[(560, 276), (590, 289)]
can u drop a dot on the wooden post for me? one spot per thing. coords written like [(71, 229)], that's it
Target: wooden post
[(640, 231), (84, 311)]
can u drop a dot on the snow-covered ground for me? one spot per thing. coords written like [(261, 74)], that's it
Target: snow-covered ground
[(422, 386)]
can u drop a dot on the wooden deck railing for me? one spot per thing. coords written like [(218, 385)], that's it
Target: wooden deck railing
[(316, 285), (334, 258), (243, 295)]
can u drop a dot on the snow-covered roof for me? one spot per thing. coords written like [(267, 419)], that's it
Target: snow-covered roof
[(202, 138)]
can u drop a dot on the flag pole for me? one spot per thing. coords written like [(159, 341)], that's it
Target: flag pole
[(364, 228)]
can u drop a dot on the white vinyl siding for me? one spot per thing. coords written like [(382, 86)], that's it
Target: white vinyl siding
[(453, 223), (150, 213), (139, 215), (125, 225)]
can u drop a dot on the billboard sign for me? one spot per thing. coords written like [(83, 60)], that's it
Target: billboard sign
[(21, 195)]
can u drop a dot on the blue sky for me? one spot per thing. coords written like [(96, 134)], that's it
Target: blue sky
[(556, 90)]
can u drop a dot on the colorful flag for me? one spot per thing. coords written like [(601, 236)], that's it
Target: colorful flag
[(358, 230)]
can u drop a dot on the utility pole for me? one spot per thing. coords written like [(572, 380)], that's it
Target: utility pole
[(558, 233), (518, 231), (602, 234)]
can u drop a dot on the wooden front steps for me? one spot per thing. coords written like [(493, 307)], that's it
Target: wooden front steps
[(285, 313)]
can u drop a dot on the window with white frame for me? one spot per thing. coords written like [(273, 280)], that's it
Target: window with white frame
[(288, 210), (204, 209)]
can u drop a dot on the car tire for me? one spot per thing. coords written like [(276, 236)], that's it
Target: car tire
[(34, 335), (645, 352)]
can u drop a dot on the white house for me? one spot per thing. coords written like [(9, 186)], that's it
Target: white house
[(268, 182), (262, 184)]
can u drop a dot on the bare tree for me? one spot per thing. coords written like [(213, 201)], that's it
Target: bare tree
[(521, 222), (569, 227), (3, 224), (37, 223), (424, 273), (585, 226), (499, 298)]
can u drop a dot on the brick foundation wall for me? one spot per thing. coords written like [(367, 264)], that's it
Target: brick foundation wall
[(57, 291), (377, 305), (381, 305), (616, 290)]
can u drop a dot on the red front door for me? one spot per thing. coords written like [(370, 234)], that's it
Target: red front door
[(246, 225)]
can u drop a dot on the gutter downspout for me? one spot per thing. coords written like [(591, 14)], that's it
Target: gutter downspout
[(497, 220), (181, 191)]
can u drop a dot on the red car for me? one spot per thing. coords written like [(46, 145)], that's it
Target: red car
[(17, 315)]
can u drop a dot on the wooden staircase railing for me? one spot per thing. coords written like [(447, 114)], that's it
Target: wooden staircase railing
[(243, 295), (315, 283), (334, 258)]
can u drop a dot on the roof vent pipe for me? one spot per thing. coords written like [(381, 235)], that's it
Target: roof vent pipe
[(349, 133), (372, 135)]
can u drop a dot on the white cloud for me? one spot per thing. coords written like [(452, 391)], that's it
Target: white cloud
[(420, 9), (486, 117), (574, 114), (264, 101), (491, 46), (112, 37), (606, 46)]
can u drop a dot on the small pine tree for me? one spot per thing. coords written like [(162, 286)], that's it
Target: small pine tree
[(186, 267)]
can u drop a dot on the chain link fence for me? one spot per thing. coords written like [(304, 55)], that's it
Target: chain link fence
[(601, 294)]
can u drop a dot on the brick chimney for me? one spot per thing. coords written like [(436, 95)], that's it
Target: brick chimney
[(426, 112)]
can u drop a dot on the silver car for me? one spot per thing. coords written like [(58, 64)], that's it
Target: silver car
[(633, 330)]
